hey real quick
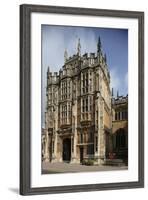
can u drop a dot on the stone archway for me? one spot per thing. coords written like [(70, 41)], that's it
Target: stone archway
[(67, 150), (121, 144), (120, 138)]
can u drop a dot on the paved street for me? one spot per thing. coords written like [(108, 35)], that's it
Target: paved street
[(66, 168)]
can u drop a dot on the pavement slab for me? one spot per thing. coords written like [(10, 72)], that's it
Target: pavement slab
[(50, 168)]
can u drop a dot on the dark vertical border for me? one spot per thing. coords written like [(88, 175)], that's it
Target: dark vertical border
[(25, 99), (141, 97)]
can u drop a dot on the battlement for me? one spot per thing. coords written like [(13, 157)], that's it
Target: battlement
[(92, 55), (52, 78), (71, 58), (77, 60), (120, 100), (65, 72)]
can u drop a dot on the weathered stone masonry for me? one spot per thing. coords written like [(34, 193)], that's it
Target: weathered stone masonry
[(78, 118)]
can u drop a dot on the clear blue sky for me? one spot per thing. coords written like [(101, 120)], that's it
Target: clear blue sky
[(55, 39)]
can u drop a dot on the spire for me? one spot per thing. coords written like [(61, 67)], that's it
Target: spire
[(99, 45), (112, 92), (105, 58), (117, 93), (65, 55), (79, 47), (48, 69)]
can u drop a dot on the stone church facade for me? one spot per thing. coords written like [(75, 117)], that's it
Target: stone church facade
[(79, 114)]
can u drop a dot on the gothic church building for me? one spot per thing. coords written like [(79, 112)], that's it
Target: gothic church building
[(78, 118)]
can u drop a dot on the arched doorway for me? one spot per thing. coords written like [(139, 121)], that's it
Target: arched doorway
[(121, 144), (67, 150), (120, 139)]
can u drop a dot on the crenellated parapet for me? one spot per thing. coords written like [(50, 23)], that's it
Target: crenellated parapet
[(74, 64), (52, 78), (119, 100)]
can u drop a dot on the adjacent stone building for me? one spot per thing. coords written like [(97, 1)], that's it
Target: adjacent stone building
[(120, 127), (78, 118)]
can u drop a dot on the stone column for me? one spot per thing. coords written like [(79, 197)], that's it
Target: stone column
[(55, 128), (97, 116), (99, 131), (101, 136), (67, 113), (54, 153), (46, 157), (88, 81), (74, 158), (74, 131)]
